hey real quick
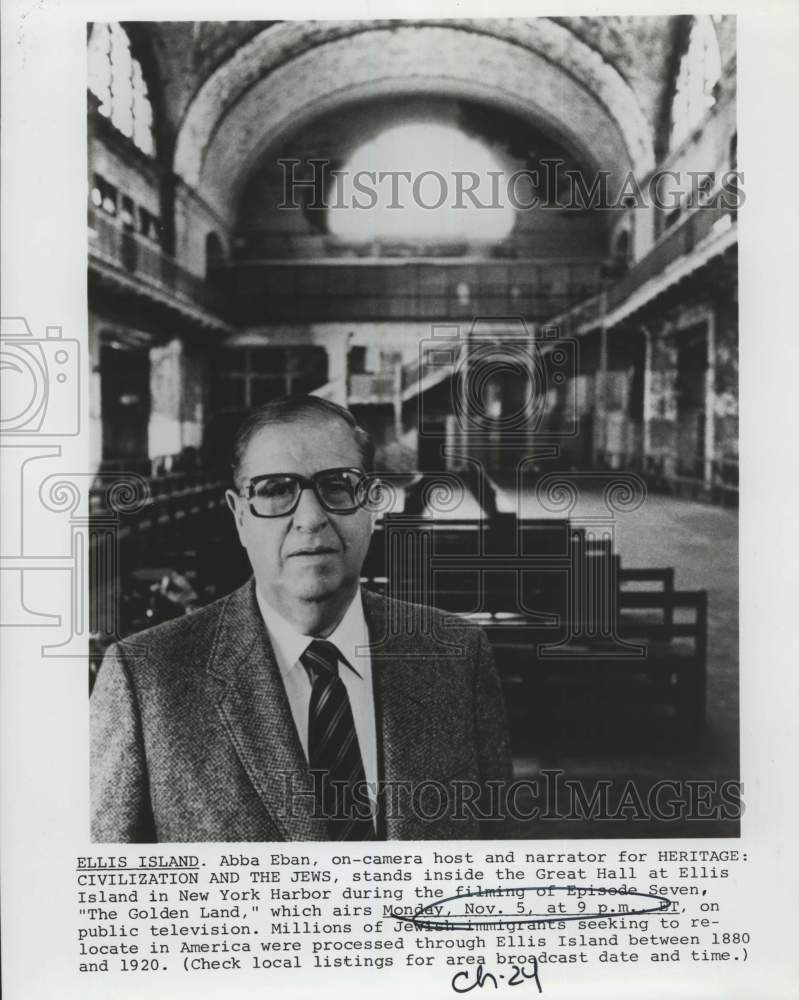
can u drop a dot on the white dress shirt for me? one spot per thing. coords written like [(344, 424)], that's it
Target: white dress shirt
[(351, 638)]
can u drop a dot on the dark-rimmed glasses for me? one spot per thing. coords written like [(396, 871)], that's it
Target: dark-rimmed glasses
[(339, 491)]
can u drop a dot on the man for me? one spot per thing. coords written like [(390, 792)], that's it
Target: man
[(299, 707)]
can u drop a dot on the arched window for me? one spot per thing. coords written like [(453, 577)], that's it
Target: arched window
[(115, 78), (700, 69)]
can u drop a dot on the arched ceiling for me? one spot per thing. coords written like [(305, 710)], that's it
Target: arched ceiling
[(501, 141), (291, 72), (334, 137)]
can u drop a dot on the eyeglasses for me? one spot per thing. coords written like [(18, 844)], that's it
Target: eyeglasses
[(339, 491)]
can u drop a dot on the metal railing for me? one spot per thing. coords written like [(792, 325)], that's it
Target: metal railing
[(263, 245), (679, 241), (676, 242), (341, 289), (145, 261)]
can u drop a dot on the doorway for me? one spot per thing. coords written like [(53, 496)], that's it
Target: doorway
[(692, 363), (125, 401)]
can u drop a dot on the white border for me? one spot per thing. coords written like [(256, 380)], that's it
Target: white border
[(43, 278)]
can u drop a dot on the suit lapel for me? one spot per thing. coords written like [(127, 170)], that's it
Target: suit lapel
[(255, 712), (404, 702), (410, 702)]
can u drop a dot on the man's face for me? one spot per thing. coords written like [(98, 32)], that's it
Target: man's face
[(311, 555)]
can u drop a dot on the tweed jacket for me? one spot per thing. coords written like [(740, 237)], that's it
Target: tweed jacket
[(192, 737)]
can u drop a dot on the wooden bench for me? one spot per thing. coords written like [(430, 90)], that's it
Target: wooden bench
[(595, 690)]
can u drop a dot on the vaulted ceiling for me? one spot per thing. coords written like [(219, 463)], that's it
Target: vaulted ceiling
[(228, 92)]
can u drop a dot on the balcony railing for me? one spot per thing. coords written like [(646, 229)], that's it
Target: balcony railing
[(271, 246), (380, 387), (678, 242), (146, 262), (352, 290)]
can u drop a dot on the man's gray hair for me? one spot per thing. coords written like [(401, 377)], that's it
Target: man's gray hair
[(288, 409)]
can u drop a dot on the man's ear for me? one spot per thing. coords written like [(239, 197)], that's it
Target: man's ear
[(237, 512)]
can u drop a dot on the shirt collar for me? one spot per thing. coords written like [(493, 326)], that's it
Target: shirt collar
[(349, 636)]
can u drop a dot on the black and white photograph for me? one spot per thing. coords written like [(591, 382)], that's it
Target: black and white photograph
[(414, 355), (397, 546)]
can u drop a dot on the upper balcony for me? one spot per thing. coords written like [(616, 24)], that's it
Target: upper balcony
[(140, 267), (346, 289), (689, 235), (701, 234)]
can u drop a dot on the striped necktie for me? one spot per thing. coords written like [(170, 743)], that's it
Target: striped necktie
[(333, 747)]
